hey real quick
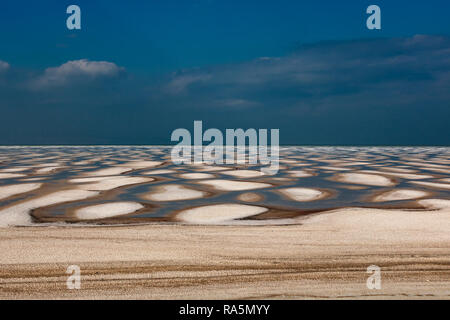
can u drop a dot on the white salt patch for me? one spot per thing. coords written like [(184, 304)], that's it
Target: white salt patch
[(397, 169), (299, 173), (141, 164), (435, 203), (436, 170), (210, 168), (282, 179), (92, 179), (400, 194), (47, 170), (15, 189), (262, 222), (302, 194), (359, 163), (249, 197), (174, 192), (160, 171), (370, 223), (243, 173), (108, 171), (300, 164), (334, 168), (108, 183), (219, 213), (31, 179), (432, 184), (330, 160), (366, 179), (427, 164), (231, 185), (81, 163), (18, 215), (17, 169), (288, 161), (11, 175), (196, 175), (409, 176), (107, 210), (49, 164)]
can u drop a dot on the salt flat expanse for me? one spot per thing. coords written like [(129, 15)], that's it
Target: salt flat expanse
[(326, 257)]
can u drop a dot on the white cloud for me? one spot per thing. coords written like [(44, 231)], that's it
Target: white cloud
[(4, 66), (181, 82), (75, 70), (329, 75), (236, 103)]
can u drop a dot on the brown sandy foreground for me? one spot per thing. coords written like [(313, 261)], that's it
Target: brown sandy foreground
[(326, 256)]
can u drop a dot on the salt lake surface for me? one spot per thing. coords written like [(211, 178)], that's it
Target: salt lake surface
[(139, 184)]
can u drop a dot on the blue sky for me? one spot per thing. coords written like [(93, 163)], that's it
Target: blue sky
[(139, 69)]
